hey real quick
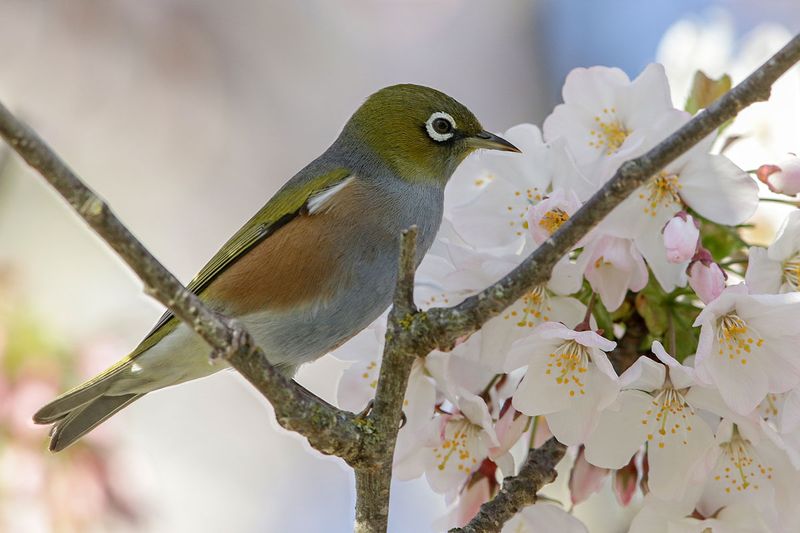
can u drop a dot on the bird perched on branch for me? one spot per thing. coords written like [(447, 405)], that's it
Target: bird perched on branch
[(317, 263)]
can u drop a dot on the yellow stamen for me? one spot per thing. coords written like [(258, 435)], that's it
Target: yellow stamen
[(608, 133), (553, 219)]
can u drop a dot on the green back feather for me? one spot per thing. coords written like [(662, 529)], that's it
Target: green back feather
[(281, 208)]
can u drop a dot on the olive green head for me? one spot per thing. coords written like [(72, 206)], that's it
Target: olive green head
[(419, 132)]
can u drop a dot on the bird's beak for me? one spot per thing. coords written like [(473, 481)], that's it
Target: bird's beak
[(490, 141)]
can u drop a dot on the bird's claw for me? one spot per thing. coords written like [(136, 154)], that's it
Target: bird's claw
[(238, 339), (367, 410)]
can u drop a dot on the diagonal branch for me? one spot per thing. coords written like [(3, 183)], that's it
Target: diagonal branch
[(368, 444), (329, 430), (445, 325), (518, 491)]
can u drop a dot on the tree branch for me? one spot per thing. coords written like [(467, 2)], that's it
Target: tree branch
[(329, 430), (518, 491), (373, 481), (445, 325), (368, 444)]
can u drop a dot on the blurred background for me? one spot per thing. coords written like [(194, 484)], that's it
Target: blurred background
[(186, 115)]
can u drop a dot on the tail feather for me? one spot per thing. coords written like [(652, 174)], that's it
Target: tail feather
[(80, 395), (80, 421)]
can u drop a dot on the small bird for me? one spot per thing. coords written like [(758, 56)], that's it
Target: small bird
[(317, 264)]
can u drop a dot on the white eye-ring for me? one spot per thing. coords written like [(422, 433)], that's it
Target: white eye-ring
[(440, 126)]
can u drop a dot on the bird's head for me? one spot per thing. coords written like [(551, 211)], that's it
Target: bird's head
[(419, 132)]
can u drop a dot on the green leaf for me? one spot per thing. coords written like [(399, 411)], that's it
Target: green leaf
[(705, 91), (603, 318), (650, 304), (721, 241), (686, 336)]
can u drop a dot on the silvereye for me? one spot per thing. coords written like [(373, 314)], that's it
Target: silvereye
[(317, 263)]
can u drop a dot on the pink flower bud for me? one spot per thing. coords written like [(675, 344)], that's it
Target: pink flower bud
[(707, 279), (680, 238), (783, 178), (469, 503), (585, 478), (625, 482)]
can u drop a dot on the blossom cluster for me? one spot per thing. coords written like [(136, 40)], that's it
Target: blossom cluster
[(650, 351)]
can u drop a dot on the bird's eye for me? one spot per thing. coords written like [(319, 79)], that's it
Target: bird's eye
[(440, 126)]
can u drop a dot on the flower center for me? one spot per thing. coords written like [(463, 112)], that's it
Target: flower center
[(535, 308), (518, 209), (668, 416), (370, 374), (662, 190), (569, 361), (553, 219), (768, 409), (791, 271), (459, 434), (735, 338), (738, 469), (608, 133)]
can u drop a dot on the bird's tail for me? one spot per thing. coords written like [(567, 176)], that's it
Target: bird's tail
[(78, 411)]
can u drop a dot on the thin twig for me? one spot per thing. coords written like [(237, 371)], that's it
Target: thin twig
[(518, 491)]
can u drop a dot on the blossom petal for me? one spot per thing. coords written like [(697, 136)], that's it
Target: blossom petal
[(719, 190), (619, 433), (763, 275), (644, 375)]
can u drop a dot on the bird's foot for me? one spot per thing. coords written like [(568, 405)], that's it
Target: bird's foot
[(239, 339), (367, 410)]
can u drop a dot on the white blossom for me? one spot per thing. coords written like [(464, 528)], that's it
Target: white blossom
[(655, 407), (777, 268), (568, 379), (747, 346)]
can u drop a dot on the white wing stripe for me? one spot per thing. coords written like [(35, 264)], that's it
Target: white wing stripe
[(320, 201)]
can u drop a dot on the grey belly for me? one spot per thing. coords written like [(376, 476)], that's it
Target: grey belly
[(292, 338)]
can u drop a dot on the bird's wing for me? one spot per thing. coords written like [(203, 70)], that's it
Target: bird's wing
[(297, 196)]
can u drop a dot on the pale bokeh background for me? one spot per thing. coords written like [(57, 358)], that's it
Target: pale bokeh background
[(186, 115)]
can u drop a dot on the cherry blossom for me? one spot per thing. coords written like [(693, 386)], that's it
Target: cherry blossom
[(585, 478), (569, 378), (460, 443), (750, 470), (613, 266), (605, 115), (706, 277), (545, 217), (777, 268), (655, 407), (783, 177), (493, 213), (747, 344), (468, 271), (476, 492), (665, 517), (680, 238), (544, 516), (708, 183)]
